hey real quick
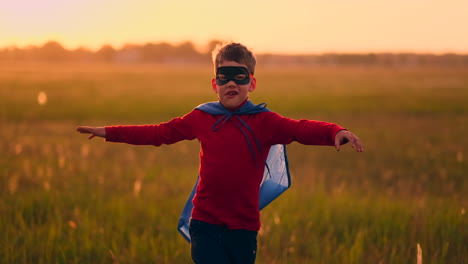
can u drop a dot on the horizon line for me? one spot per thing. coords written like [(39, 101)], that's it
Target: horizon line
[(200, 49)]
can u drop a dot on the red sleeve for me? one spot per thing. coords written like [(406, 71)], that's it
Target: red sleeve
[(309, 132), (175, 130)]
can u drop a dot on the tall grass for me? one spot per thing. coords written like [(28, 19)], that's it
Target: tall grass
[(64, 199)]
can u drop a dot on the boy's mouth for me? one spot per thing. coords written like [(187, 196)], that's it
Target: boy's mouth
[(232, 93)]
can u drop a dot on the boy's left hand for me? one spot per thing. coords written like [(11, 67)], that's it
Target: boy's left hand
[(345, 136)]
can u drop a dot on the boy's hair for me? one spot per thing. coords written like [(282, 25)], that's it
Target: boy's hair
[(234, 52)]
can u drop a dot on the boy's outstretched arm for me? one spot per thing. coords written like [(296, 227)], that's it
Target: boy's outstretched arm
[(345, 136), (94, 131)]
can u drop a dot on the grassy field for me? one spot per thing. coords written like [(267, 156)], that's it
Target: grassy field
[(65, 199)]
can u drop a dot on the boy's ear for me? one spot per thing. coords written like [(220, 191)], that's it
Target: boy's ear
[(253, 84), (213, 85)]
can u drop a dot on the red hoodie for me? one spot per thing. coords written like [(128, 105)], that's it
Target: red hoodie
[(228, 189)]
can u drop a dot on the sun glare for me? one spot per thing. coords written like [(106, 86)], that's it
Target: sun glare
[(42, 98), (299, 27)]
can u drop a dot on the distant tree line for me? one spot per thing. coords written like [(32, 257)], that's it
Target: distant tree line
[(53, 51), (186, 53)]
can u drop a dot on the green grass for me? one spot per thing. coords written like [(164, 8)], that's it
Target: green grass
[(64, 199)]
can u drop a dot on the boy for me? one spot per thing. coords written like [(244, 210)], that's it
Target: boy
[(234, 146)]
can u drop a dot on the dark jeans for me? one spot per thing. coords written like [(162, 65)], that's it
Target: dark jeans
[(219, 245)]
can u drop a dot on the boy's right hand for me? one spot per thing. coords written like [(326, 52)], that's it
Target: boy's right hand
[(94, 131)]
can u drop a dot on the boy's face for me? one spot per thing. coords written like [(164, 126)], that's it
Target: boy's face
[(231, 94)]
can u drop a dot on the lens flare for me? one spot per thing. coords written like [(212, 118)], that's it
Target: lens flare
[(42, 98)]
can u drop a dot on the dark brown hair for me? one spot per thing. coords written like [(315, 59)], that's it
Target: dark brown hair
[(234, 52)]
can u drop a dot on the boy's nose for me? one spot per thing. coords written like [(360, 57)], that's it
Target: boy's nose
[(231, 83)]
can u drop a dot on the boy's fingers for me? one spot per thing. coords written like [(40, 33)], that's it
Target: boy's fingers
[(357, 145), (82, 130), (337, 144), (346, 137), (92, 135)]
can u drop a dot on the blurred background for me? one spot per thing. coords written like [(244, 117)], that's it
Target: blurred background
[(395, 73)]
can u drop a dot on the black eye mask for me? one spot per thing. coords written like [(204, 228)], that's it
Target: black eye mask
[(239, 75)]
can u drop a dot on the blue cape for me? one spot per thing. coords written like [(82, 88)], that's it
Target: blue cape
[(276, 178)]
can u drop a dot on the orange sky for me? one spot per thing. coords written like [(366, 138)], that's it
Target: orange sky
[(293, 26)]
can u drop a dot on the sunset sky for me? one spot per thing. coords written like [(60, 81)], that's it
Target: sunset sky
[(293, 26)]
